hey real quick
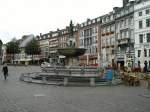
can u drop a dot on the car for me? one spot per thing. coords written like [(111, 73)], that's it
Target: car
[(45, 64)]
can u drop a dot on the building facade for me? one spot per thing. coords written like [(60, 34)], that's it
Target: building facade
[(53, 46), (44, 46), (120, 37), (142, 33), (124, 21), (89, 35), (108, 39), (48, 44)]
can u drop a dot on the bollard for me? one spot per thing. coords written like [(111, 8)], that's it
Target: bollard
[(29, 78), (148, 86), (44, 79), (65, 81), (92, 81), (69, 72)]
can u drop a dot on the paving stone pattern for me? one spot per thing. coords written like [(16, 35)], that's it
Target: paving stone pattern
[(18, 96)]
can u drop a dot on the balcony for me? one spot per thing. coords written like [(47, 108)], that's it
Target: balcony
[(103, 46), (124, 40), (54, 45), (103, 34), (108, 33), (53, 51), (120, 55)]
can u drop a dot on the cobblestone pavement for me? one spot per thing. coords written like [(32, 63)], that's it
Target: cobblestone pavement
[(17, 96)]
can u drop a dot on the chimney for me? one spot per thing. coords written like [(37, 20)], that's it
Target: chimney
[(115, 9), (88, 19), (40, 34), (125, 2), (132, 2)]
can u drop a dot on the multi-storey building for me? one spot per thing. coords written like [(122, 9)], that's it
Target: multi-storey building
[(142, 32), (48, 45), (125, 34), (108, 39), (44, 46), (53, 46), (89, 33), (64, 36)]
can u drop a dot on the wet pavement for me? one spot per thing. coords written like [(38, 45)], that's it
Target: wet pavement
[(18, 96)]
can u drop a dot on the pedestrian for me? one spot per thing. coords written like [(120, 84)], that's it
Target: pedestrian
[(5, 71)]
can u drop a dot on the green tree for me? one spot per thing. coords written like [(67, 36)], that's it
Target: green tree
[(12, 48), (1, 43), (32, 48)]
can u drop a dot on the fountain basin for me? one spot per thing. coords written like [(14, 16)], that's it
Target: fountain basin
[(71, 52)]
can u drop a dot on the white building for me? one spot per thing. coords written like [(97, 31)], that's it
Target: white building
[(125, 34), (142, 32), (108, 39)]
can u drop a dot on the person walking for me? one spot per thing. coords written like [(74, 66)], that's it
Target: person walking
[(5, 71)]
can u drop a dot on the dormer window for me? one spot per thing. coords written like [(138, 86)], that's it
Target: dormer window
[(140, 13)]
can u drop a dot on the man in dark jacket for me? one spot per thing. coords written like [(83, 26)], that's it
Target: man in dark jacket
[(5, 71)]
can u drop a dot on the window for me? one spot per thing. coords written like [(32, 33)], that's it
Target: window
[(90, 50), (140, 24), (81, 42), (96, 49), (139, 53), (82, 33), (125, 34), (125, 22), (148, 37), (147, 11), (141, 38), (87, 41), (145, 52), (90, 41), (113, 51), (147, 22), (121, 23), (122, 35), (140, 13), (130, 21), (139, 64)]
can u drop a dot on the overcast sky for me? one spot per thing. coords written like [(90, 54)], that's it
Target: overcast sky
[(23, 17)]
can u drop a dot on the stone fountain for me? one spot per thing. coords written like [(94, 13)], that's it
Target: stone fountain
[(68, 74), (71, 52)]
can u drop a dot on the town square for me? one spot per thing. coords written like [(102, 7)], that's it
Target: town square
[(99, 65), (18, 96)]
